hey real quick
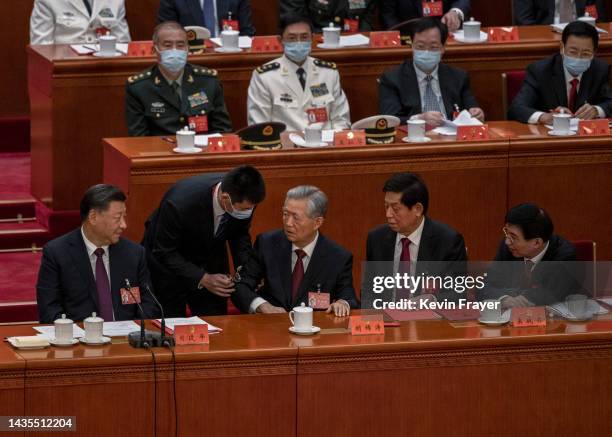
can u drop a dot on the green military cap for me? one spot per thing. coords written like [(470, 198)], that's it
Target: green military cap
[(379, 129), (262, 136)]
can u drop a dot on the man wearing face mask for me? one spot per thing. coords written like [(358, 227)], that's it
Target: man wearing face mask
[(423, 88), (185, 239), (174, 94), (295, 89), (571, 81)]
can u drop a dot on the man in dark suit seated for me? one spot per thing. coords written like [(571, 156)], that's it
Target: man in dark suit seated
[(454, 12), (532, 266), (215, 15), (572, 81), (85, 270), (423, 88), (349, 15), (297, 260), (411, 241), (528, 12), (186, 239)]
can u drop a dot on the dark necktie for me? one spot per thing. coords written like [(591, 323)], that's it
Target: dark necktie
[(527, 273), (302, 77), (431, 101), (88, 6), (209, 16), (105, 302), (573, 94), (298, 274), (404, 266), (222, 228)]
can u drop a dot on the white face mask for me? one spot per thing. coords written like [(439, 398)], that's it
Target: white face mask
[(240, 215)]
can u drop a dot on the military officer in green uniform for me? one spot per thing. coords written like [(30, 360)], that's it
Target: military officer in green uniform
[(174, 94)]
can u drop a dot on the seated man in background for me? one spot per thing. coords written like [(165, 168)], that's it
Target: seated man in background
[(571, 81), (349, 15), (85, 270), (393, 12), (77, 21), (215, 15), (528, 12), (174, 94), (295, 89), (532, 264), (422, 87), (297, 260)]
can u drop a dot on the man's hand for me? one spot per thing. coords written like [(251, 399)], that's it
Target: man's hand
[(477, 113), (547, 118), (586, 112), (340, 308), (218, 283), (452, 20), (515, 302), (268, 308), (432, 118)]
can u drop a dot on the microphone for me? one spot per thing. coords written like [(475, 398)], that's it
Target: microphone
[(165, 340), (143, 338)]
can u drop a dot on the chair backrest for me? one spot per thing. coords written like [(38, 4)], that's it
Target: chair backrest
[(586, 251), (512, 81)]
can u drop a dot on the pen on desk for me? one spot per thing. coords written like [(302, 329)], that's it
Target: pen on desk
[(169, 139)]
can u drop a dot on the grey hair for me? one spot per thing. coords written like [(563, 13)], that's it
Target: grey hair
[(171, 25), (317, 200)]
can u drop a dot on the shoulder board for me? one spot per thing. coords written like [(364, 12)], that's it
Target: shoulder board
[(139, 76), (203, 71), (325, 64), (268, 67)]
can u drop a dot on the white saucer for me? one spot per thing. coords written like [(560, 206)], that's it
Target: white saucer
[(100, 55), (62, 344), (554, 133), (12, 342), (227, 50), (505, 318), (187, 151), (459, 37), (323, 45), (300, 142), (573, 318), (310, 331), (105, 340), (420, 140)]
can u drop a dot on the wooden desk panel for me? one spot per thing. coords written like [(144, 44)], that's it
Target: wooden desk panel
[(12, 374)]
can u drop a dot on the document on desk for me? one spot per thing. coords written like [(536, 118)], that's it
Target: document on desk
[(172, 322), (86, 49), (119, 329), (49, 331), (244, 42), (606, 300), (463, 119), (202, 140), (592, 307), (354, 40)]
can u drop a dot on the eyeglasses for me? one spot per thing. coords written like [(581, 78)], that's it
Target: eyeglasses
[(508, 236), (576, 53)]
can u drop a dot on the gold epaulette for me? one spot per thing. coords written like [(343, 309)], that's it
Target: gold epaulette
[(268, 67)]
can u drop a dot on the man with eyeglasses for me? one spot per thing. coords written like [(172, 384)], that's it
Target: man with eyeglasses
[(296, 89), (532, 265), (572, 81), (174, 94), (423, 88)]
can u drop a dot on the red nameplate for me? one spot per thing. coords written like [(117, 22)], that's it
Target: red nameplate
[(198, 123), (503, 34), (593, 127), (226, 24), (528, 316), (141, 48), (367, 325), (317, 115), (224, 143), (432, 9), (318, 300), (266, 44), (592, 11), (127, 298), (350, 138), (470, 133), (190, 334), (385, 39), (100, 31), (350, 25)]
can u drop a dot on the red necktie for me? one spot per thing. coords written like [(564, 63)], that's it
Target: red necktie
[(298, 274), (404, 266), (573, 94)]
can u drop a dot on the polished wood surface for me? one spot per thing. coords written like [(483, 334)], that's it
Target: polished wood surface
[(12, 377), (256, 378), (77, 100)]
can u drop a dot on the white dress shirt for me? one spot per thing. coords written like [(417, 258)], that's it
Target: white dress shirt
[(93, 258), (218, 210), (415, 242), (215, 31), (557, 11), (536, 259), (435, 85)]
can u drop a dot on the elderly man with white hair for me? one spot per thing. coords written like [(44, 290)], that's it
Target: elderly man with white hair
[(297, 260)]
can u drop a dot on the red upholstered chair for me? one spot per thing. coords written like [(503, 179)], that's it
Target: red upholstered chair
[(511, 84), (586, 251)]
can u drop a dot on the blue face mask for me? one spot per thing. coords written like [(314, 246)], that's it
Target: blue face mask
[(297, 51), (173, 60), (426, 60), (576, 66), (240, 215)]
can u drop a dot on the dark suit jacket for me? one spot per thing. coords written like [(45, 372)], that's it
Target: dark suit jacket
[(66, 283), (544, 88), (181, 246), (189, 13), (441, 252), (399, 95), (331, 266), (393, 12), (543, 11), (552, 279), (323, 12)]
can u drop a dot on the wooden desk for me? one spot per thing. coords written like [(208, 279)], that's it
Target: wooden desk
[(76, 101), (424, 378), (12, 383)]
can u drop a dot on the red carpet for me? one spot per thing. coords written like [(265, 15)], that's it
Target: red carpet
[(18, 273)]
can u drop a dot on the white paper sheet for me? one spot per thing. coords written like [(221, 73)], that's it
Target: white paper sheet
[(607, 300), (85, 49), (559, 28), (202, 140), (172, 322), (119, 329), (463, 119), (592, 305), (244, 42), (49, 331), (354, 40)]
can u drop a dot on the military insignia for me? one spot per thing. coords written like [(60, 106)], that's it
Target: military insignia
[(268, 67), (190, 79), (198, 99), (267, 131), (325, 64), (191, 35), (205, 71), (319, 90), (106, 13), (138, 77), (157, 81), (381, 123), (286, 98), (158, 108)]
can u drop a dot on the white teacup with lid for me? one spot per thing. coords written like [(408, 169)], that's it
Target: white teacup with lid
[(185, 139), (301, 318), (64, 330), (94, 326), (331, 35), (588, 19), (229, 39), (108, 44), (471, 30)]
